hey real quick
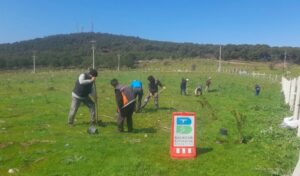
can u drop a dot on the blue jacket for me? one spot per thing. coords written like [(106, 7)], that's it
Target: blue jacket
[(136, 84)]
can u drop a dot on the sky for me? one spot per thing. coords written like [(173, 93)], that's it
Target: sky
[(271, 22)]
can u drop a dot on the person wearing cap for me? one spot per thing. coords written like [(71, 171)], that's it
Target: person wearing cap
[(125, 105), (137, 87), (81, 94), (208, 83)]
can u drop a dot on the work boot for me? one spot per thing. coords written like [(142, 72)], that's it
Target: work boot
[(71, 125), (120, 129), (138, 110), (130, 130)]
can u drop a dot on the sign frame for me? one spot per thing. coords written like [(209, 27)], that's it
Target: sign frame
[(185, 148)]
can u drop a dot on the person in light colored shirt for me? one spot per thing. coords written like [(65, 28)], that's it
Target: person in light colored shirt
[(81, 94)]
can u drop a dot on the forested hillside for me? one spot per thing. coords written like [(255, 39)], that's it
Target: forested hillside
[(74, 50)]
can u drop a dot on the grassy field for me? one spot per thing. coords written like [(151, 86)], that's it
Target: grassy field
[(35, 138)]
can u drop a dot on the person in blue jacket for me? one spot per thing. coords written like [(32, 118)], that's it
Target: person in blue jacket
[(137, 87)]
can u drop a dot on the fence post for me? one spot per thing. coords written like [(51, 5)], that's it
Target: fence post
[(296, 106), (292, 94), (287, 89)]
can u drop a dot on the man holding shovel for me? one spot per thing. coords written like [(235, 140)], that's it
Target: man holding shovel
[(83, 88)]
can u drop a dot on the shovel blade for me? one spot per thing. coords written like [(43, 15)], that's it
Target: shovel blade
[(92, 130)]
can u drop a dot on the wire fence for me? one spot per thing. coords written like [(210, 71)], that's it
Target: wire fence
[(291, 92)]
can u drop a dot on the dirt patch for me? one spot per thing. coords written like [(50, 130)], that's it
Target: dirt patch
[(36, 141), (5, 144)]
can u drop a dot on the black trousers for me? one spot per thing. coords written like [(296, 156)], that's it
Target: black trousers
[(126, 114), (138, 95)]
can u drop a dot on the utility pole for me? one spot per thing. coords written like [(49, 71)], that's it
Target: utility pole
[(220, 56), (93, 49), (33, 57), (92, 26), (119, 62), (284, 62)]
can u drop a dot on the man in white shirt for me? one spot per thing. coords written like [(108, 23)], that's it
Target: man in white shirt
[(83, 88)]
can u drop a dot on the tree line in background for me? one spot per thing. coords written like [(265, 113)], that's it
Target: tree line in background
[(74, 50)]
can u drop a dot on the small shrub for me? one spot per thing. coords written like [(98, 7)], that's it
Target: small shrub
[(240, 123), (166, 63), (194, 67)]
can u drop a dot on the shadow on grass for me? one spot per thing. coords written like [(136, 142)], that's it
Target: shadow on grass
[(159, 109), (100, 123), (167, 109), (148, 110), (203, 150), (187, 95), (104, 124), (213, 90), (144, 130), (244, 140)]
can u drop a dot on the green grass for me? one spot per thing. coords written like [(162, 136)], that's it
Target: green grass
[(35, 139)]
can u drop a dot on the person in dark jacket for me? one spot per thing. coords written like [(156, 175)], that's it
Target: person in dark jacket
[(257, 89), (137, 87), (125, 105), (153, 91), (83, 88), (183, 86)]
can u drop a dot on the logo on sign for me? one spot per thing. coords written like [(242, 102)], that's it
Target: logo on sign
[(183, 125)]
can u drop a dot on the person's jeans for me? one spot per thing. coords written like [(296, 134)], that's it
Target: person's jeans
[(138, 93), (75, 105)]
